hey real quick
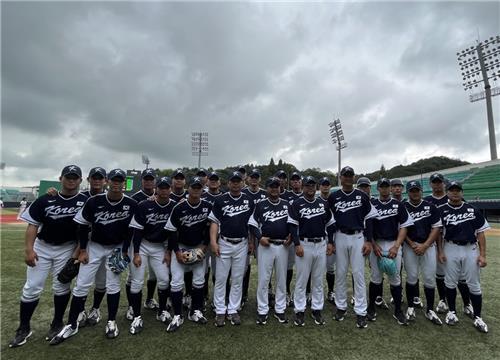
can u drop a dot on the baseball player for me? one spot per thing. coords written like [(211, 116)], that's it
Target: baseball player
[(419, 250), (178, 192), (438, 198), (109, 215), (243, 171), (353, 214), (312, 228), (203, 175), (296, 185), (464, 252), (149, 248), (269, 226), (22, 207), (230, 215), (281, 174), (397, 189), (389, 232), (50, 240), (189, 223)]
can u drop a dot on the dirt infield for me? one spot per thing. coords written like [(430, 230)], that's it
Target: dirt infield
[(9, 219)]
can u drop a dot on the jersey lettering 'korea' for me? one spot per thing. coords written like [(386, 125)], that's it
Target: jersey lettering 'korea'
[(425, 217), (190, 222), (179, 197), (109, 220), (437, 201), (208, 196), (312, 217), (392, 215), (54, 217), (232, 214), (462, 223), (271, 218), (255, 196), (151, 217), (351, 210), (141, 196)]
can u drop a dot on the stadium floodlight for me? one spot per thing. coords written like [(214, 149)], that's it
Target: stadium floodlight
[(337, 136), (145, 161), (480, 64), (199, 145)]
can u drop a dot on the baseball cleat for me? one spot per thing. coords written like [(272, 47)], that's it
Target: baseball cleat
[(431, 315), (151, 304), (451, 318), (361, 322), (331, 297), (299, 319), (400, 318), (175, 324), (186, 301), (261, 319), (197, 317), (136, 326), (469, 311), (371, 315), (380, 302), (411, 315), (417, 303), (65, 333), (53, 331), (164, 317), (111, 329), (441, 307), (82, 319), (22, 335), (129, 315), (480, 325), (94, 317), (281, 317), (220, 320), (234, 318), (340, 315), (318, 317)]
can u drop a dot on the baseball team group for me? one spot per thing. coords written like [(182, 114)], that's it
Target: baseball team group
[(187, 233)]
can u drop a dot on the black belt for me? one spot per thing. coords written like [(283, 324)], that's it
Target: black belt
[(277, 241), (313, 240), (350, 231), (233, 240)]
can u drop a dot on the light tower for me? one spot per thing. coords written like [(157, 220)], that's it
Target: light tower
[(337, 136), (199, 145)]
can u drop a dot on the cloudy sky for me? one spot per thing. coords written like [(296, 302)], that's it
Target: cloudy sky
[(102, 83)]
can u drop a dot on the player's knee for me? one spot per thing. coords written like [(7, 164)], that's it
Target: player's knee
[(162, 282), (430, 282), (100, 289), (58, 288), (113, 288), (136, 286), (474, 288), (450, 284), (411, 278), (80, 291)]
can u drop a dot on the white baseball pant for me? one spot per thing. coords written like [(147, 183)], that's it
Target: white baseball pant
[(426, 264), (272, 257), (376, 274), (152, 255)]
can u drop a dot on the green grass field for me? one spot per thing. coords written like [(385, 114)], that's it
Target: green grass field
[(383, 339)]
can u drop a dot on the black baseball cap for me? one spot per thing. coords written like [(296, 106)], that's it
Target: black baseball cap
[(117, 174), (363, 181), (414, 184), (235, 175), (213, 176), (148, 173), (295, 175), (97, 171), (324, 181), (178, 172), (346, 171), (201, 172), (196, 180), (163, 181), (396, 182), (310, 180), (281, 174), (242, 170), (71, 170), (436, 177), (254, 173), (454, 184), (383, 182), (273, 181)]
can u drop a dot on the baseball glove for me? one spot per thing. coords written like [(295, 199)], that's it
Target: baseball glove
[(117, 262), (193, 256), (69, 271), (386, 264)]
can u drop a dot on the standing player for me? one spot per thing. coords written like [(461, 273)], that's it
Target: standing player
[(389, 232), (364, 184), (109, 215), (296, 185), (281, 174), (230, 215), (189, 223), (178, 193), (149, 247), (312, 226), (268, 224), (419, 249), (324, 192), (50, 240), (353, 214), (22, 207), (464, 252), (203, 175), (397, 189)]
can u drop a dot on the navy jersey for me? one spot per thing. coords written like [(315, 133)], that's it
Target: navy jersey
[(271, 218), (425, 217), (291, 196), (208, 196), (232, 214), (151, 217), (462, 223), (437, 201), (141, 196), (391, 216), (351, 210), (180, 197), (54, 217), (191, 224), (285, 194), (109, 220), (312, 217), (255, 196)]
